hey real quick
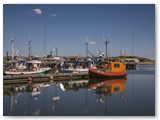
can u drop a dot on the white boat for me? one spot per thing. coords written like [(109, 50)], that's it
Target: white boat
[(32, 67), (74, 70)]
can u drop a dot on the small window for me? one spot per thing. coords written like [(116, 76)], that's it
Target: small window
[(116, 65), (116, 89)]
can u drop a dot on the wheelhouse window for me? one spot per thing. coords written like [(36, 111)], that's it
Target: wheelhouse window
[(116, 89), (116, 65), (38, 65)]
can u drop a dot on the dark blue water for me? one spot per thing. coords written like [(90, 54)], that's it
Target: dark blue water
[(131, 96)]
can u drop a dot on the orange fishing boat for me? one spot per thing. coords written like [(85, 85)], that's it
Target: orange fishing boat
[(113, 69)]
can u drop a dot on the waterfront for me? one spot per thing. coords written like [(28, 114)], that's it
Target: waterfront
[(134, 97)]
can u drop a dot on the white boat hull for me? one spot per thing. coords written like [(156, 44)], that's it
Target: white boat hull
[(42, 70), (76, 70)]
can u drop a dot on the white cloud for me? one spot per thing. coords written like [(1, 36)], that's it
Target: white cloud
[(37, 11)]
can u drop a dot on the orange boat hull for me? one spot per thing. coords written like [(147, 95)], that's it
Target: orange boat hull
[(94, 73)]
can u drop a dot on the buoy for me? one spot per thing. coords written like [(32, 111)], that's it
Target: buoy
[(30, 79)]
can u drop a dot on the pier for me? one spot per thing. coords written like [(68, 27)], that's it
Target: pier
[(39, 78)]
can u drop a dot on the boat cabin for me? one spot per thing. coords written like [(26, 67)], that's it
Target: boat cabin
[(116, 66), (22, 64), (33, 65)]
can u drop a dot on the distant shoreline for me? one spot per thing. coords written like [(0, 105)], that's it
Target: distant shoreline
[(146, 63)]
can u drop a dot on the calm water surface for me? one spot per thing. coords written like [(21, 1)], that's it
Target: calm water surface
[(134, 95)]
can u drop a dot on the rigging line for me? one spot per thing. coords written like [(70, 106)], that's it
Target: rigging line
[(132, 70)]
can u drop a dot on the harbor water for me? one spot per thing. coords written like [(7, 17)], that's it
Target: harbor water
[(130, 96)]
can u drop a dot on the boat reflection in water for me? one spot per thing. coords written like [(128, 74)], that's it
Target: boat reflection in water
[(23, 97), (48, 98), (107, 87)]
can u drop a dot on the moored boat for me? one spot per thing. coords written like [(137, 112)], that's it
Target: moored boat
[(74, 70), (113, 69), (32, 67), (76, 67)]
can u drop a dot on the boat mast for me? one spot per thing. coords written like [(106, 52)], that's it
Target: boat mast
[(87, 42), (132, 44), (12, 45), (45, 36), (29, 47), (106, 43)]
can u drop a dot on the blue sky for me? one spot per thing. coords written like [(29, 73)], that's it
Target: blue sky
[(68, 25)]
